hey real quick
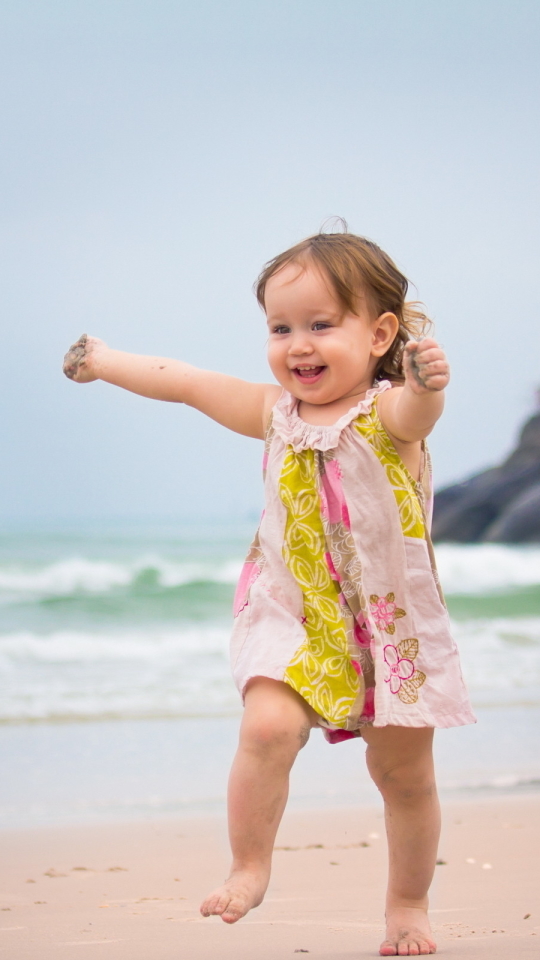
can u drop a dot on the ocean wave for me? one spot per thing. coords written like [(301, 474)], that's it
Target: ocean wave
[(72, 675), (69, 674), (70, 646), (500, 658), (511, 782), (480, 570), (79, 576), (483, 569)]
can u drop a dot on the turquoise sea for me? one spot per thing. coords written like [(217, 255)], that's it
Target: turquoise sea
[(115, 693)]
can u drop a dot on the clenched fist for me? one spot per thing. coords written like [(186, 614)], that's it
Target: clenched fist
[(425, 366), (80, 360)]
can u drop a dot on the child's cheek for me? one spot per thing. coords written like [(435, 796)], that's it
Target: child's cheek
[(277, 364)]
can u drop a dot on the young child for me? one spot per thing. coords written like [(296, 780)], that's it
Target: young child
[(340, 622)]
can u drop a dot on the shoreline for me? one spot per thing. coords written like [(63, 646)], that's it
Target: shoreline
[(113, 771), (216, 809), (133, 889)]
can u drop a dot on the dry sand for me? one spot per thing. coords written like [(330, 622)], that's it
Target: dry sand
[(133, 890)]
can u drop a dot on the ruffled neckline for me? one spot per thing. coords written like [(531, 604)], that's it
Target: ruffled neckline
[(308, 436)]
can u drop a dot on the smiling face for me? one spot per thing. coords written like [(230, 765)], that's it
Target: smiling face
[(318, 352)]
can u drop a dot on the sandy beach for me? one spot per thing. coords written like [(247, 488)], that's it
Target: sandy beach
[(133, 890)]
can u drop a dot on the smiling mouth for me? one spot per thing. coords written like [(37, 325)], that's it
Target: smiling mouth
[(308, 373)]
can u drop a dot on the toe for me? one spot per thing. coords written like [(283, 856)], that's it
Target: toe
[(236, 909), (213, 905), (225, 906), (387, 949), (222, 904), (231, 915)]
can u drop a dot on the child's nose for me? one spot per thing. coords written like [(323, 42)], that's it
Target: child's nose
[(301, 344)]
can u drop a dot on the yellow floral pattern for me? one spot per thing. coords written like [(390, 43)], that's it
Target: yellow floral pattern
[(322, 670), (407, 491)]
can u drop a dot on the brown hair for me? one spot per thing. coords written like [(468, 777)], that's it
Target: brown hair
[(355, 265)]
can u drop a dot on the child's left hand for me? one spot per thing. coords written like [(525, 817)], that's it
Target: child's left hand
[(425, 365)]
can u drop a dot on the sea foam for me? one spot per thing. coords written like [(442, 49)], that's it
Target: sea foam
[(184, 672), (78, 575), (72, 675), (464, 569), (486, 568)]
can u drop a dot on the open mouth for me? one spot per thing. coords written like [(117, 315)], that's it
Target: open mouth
[(308, 374)]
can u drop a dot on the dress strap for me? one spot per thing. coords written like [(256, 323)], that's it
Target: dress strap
[(268, 437)]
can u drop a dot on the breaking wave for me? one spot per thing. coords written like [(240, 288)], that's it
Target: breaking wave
[(480, 570), (80, 576)]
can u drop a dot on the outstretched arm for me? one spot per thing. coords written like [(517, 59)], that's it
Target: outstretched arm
[(241, 406), (410, 412)]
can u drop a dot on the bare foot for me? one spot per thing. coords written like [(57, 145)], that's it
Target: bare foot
[(408, 933), (242, 891)]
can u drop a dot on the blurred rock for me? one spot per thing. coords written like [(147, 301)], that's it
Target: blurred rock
[(499, 505)]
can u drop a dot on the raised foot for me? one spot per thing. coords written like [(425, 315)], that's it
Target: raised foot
[(239, 894), (408, 933)]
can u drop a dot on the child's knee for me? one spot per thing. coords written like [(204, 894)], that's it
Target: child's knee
[(275, 719), (400, 762), (404, 782), (270, 733)]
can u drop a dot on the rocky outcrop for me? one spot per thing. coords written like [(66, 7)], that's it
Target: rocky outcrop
[(499, 505)]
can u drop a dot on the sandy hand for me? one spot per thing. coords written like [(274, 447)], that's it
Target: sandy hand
[(79, 361), (426, 366)]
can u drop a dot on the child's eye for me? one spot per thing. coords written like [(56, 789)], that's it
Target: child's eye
[(280, 328), (321, 325)]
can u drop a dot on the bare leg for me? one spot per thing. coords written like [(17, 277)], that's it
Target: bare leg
[(275, 726), (400, 762)]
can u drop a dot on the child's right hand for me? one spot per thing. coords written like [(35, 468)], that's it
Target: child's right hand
[(80, 360)]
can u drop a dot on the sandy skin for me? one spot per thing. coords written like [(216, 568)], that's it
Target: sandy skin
[(408, 931), (239, 894), (275, 726), (426, 363), (78, 359)]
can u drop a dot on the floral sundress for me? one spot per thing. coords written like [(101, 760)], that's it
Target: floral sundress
[(339, 595)]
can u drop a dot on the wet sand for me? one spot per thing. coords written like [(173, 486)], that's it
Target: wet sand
[(133, 890)]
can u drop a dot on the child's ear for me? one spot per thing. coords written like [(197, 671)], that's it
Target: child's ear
[(384, 331)]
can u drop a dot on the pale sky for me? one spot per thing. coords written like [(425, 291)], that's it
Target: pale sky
[(156, 154)]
